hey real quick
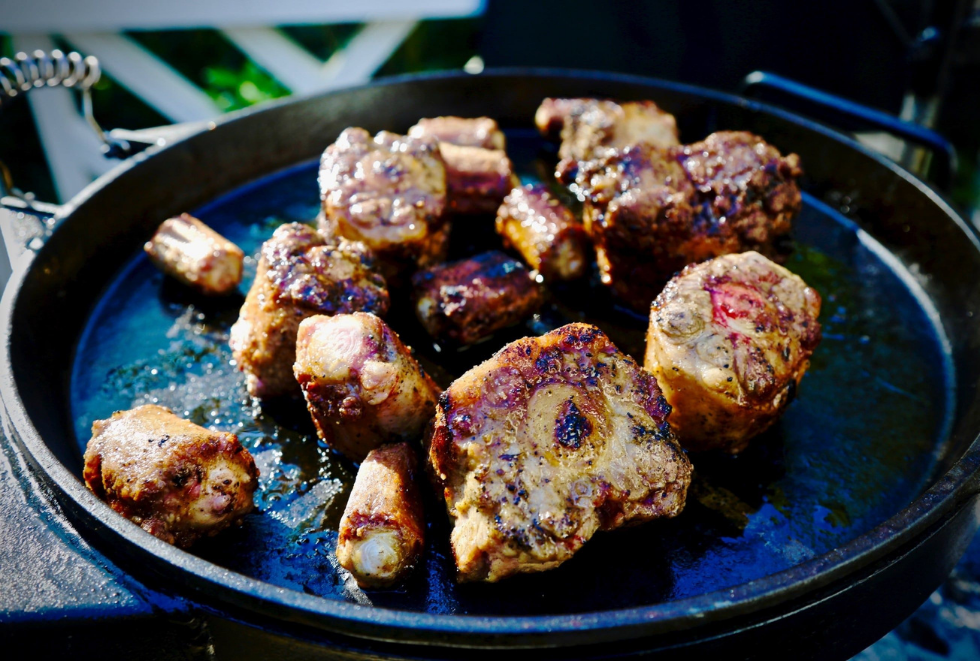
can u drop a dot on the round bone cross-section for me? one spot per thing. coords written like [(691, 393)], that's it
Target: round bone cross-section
[(729, 341), (382, 532), (551, 439), (361, 384)]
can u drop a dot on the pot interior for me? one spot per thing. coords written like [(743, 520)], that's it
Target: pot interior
[(880, 415), (834, 467)]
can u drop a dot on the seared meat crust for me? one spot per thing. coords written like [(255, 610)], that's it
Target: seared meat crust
[(544, 231), (639, 210), (652, 211), (174, 479), (464, 131), (188, 250), (551, 439), (382, 532), (467, 300), (591, 127), (477, 179), (361, 384), (729, 341), (745, 185), (478, 172), (298, 275), (390, 193)]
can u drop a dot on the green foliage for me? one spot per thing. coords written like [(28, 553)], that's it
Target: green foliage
[(212, 63), (966, 185), (241, 87)]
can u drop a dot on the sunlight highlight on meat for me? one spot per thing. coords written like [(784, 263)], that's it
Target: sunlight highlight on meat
[(729, 341), (176, 480), (553, 438)]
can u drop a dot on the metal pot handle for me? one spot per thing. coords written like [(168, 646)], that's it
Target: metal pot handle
[(850, 115), (25, 223), (26, 72)]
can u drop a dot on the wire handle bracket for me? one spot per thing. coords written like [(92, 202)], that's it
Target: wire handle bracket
[(39, 69)]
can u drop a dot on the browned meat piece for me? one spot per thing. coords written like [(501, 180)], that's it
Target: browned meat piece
[(174, 479), (467, 300), (729, 341), (591, 127), (298, 276), (390, 193), (362, 386), (551, 115), (477, 178), (382, 532), (651, 212), (188, 250), (463, 131), (639, 210), (545, 232), (478, 172), (553, 438), (745, 185)]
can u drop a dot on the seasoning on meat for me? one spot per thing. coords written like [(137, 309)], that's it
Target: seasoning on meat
[(551, 439), (382, 532), (652, 211), (176, 480), (478, 172), (729, 341), (299, 275), (188, 250), (361, 384), (390, 193), (545, 232), (745, 187), (639, 211), (468, 300)]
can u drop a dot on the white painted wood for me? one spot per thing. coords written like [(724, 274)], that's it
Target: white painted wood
[(72, 149), (47, 16), (366, 52), (146, 75), (303, 73), (288, 62)]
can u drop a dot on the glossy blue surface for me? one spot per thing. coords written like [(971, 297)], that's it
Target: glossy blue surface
[(856, 447)]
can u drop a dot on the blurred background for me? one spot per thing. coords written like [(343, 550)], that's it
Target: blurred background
[(186, 61)]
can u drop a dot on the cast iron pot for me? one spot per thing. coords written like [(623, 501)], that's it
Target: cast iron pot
[(828, 606)]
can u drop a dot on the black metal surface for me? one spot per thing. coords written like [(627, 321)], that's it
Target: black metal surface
[(796, 495), (61, 596), (52, 301)]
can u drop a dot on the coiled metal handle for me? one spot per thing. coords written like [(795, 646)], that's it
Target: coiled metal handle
[(24, 72), (40, 69)]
